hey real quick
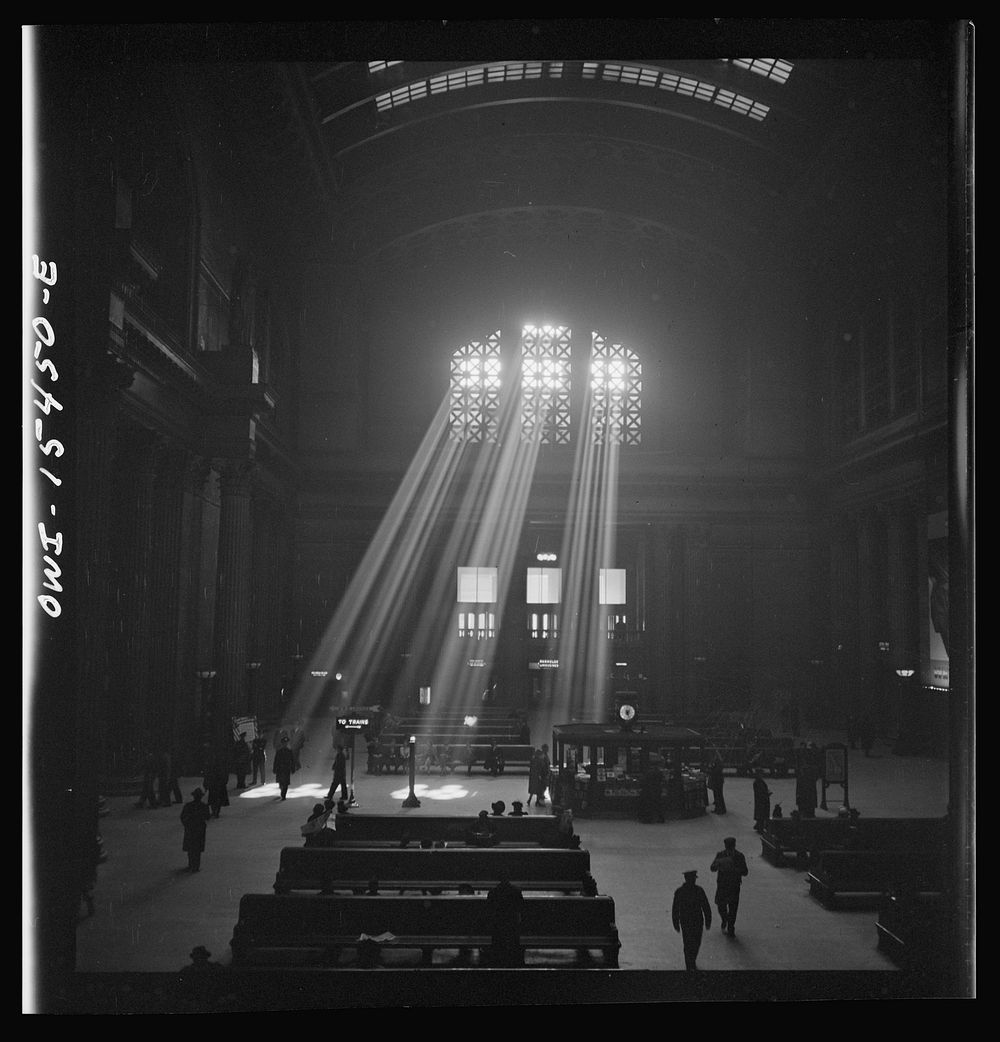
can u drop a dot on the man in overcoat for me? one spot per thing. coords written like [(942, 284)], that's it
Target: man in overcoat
[(730, 867), (194, 818), (690, 913)]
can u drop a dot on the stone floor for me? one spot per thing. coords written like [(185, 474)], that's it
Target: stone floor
[(150, 912)]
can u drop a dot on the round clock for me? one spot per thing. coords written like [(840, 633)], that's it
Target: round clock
[(626, 712)]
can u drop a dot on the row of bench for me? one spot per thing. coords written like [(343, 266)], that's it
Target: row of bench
[(456, 757), (865, 859), (296, 929), (528, 830), (790, 841), (350, 868), (361, 895)]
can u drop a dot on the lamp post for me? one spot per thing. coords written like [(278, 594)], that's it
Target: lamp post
[(411, 800)]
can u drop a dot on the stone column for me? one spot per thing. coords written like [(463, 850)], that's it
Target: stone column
[(99, 384), (844, 616), (232, 619), (163, 591), (698, 660), (129, 636), (187, 685)]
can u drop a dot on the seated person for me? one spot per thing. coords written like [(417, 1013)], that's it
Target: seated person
[(315, 825), (482, 834)]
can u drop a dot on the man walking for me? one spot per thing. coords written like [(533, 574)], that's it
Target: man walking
[(282, 766), (339, 775), (730, 867), (194, 819), (690, 913)]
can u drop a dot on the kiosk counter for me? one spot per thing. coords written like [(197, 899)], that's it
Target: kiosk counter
[(650, 772)]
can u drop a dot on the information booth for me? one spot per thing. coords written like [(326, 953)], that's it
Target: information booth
[(599, 770)]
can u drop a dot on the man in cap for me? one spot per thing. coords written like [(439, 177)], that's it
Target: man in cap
[(691, 911), (730, 867)]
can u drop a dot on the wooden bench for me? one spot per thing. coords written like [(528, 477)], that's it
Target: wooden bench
[(912, 930), (872, 873), (349, 868), (535, 829), (785, 841), (309, 929)]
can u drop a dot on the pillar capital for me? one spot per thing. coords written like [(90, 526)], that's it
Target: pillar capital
[(237, 477)]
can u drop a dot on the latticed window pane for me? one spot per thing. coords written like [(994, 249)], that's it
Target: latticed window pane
[(545, 384), (475, 391), (616, 394)]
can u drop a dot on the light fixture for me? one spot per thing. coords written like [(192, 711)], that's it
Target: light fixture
[(905, 672), (319, 673)]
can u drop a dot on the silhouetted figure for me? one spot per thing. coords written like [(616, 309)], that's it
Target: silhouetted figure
[(149, 772), (216, 782), (283, 765), (167, 782), (517, 809), (691, 913), (258, 760), (483, 833), (730, 867), (340, 774), (241, 761), (315, 825), (761, 801), (498, 808), (505, 902), (194, 818), (716, 781), (806, 777), (200, 960)]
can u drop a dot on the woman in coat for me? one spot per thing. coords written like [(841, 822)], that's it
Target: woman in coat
[(216, 781), (194, 818), (761, 801)]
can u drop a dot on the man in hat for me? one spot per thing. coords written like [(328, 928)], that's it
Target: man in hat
[(283, 766), (761, 801), (730, 867), (691, 911), (194, 818)]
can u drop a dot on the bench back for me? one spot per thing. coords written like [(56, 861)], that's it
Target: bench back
[(889, 834), (314, 868), (880, 870), (288, 919), (537, 829)]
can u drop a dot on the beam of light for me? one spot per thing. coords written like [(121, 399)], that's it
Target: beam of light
[(363, 623), (313, 790), (442, 792), (486, 532), (581, 685)]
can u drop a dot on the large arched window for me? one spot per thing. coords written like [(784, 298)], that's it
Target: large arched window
[(545, 384), (616, 393), (475, 390), (614, 382)]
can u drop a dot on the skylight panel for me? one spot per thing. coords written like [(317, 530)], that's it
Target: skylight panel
[(777, 69), (375, 67)]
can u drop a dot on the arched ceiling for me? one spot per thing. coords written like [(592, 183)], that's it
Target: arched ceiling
[(663, 158)]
